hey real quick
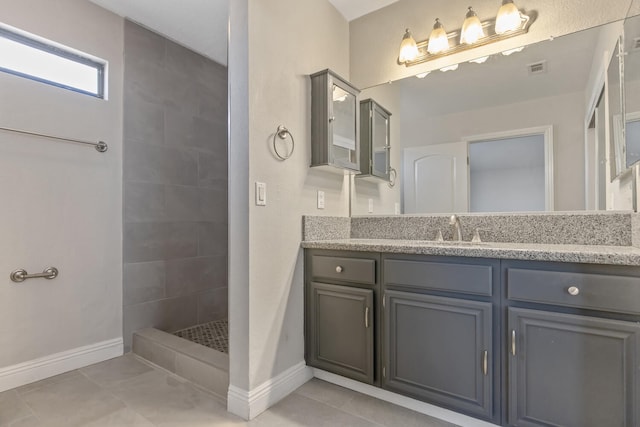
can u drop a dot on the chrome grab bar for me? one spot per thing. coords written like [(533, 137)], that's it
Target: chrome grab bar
[(21, 274), (100, 146)]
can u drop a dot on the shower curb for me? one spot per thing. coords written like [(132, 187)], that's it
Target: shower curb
[(201, 365)]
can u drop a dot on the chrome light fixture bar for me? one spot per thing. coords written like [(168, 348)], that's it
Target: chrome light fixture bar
[(455, 44)]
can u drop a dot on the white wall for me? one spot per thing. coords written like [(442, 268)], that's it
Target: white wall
[(62, 203), (385, 27), (266, 307)]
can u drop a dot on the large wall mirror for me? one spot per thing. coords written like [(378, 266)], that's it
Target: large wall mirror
[(632, 89), (521, 132)]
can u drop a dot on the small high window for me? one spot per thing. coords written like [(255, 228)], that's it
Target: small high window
[(33, 58)]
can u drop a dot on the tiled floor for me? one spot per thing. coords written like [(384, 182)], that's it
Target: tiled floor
[(126, 392), (214, 335)]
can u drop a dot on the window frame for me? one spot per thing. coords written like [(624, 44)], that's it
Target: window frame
[(32, 42)]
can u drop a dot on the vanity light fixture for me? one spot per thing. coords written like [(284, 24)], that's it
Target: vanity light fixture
[(510, 22), (471, 28), (508, 18), (408, 48), (438, 40)]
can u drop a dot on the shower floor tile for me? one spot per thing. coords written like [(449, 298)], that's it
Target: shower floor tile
[(214, 335)]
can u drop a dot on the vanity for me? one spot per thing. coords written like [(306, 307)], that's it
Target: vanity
[(517, 334)]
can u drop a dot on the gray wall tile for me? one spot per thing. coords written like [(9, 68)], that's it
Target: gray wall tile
[(144, 282), (143, 44), (212, 170), (175, 184), (213, 238), (212, 305), (143, 202), (159, 241), (191, 275), (160, 164), (143, 120), (167, 314), (213, 204), (185, 130), (182, 203)]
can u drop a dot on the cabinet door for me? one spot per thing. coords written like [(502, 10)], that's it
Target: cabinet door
[(341, 330), (380, 133), (343, 122), (439, 350), (572, 371)]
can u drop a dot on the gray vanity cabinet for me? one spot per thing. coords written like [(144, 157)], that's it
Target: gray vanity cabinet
[(342, 330), (340, 314), (439, 349), (573, 345), (438, 331), (574, 371), (375, 136), (335, 138)]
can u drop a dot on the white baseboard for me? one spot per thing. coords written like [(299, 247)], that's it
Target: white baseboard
[(59, 363), (250, 404), (405, 402)]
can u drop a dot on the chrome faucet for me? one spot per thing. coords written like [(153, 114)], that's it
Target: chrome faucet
[(454, 222)]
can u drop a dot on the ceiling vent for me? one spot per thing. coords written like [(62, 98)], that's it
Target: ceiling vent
[(537, 67)]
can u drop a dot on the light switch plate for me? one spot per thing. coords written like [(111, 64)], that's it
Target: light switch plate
[(320, 199), (261, 194)]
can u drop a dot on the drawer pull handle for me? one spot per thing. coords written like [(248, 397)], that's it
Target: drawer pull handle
[(513, 342), (485, 362), (366, 317), (573, 290), (339, 269)]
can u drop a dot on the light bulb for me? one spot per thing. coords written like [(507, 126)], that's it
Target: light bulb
[(471, 28), (423, 75), (408, 48), (438, 40), (508, 18)]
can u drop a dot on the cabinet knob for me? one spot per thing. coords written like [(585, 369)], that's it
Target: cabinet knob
[(573, 290), (339, 269), (332, 119)]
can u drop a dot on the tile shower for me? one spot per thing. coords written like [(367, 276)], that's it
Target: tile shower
[(175, 186)]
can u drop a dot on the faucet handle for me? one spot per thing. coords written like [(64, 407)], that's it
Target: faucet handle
[(476, 234)]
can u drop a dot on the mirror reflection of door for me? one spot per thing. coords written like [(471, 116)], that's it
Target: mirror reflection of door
[(435, 178), (507, 175), (503, 172), (632, 138)]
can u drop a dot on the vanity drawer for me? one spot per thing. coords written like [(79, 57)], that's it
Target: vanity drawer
[(356, 270), (439, 276), (572, 289)]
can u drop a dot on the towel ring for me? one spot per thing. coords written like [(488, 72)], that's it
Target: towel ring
[(282, 133)]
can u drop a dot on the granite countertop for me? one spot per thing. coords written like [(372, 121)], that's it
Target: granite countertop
[(590, 254)]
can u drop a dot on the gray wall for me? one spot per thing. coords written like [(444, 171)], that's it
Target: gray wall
[(175, 185)]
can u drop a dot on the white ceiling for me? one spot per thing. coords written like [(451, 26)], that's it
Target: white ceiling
[(352, 9), (200, 25)]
